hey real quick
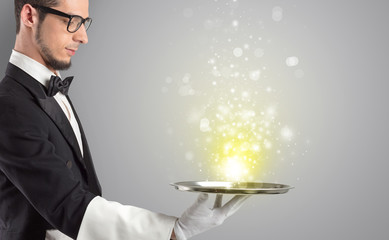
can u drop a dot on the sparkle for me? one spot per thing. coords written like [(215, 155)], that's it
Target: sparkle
[(271, 111), (186, 78), (292, 61), (169, 80), (277, 14), (256, 147), (267, 143), (245, 95), (238, 52), (286, 133), (204, 125), (189, 156), (186, 90), (255, 75), (212, 61)]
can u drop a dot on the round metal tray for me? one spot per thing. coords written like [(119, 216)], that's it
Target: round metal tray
[(232, 187)]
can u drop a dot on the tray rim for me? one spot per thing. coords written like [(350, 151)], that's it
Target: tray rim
[(183, 186)]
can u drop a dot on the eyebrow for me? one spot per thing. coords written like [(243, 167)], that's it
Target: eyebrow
[(71, 13)]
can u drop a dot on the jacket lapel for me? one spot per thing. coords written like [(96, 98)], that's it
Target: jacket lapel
[(92, 176), (48, 104), (51, 107)]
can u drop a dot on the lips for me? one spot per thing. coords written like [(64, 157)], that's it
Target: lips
[(71, 52)]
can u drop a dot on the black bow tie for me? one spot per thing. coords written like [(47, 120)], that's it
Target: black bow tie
[(57, 85)]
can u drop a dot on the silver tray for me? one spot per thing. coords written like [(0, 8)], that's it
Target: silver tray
[(232, 187)]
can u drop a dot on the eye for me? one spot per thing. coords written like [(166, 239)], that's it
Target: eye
[(72, 23)]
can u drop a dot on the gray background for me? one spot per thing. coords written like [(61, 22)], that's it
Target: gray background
[(136, 121)]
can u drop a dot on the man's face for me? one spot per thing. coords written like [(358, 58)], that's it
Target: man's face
[(55, 44)]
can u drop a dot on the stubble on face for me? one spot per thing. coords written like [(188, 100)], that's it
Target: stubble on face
[(47, 54)]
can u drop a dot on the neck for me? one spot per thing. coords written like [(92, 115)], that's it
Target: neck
[(25, 45)]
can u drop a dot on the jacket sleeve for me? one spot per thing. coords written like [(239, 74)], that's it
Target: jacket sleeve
[(29, 161)]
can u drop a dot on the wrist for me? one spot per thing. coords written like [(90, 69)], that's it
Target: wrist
[(173, 236), (178, 232)]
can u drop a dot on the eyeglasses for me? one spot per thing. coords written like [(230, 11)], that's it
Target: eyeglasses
[(75, 21)]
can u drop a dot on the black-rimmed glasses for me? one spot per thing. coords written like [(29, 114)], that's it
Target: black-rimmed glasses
[(75, 21)]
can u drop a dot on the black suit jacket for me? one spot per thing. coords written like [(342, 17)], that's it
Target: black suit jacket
[(45, 183)]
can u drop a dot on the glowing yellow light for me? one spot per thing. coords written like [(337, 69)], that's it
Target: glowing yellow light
[(235, 169), (242, 138)]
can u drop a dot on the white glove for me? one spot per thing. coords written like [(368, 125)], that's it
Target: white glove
[(199, 218)]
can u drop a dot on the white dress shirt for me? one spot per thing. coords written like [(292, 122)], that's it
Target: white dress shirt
[(103, 219)]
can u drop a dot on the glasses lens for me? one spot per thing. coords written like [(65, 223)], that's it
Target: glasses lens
[(74, 23), (87, 23)]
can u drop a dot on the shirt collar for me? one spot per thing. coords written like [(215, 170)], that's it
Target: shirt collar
[(33, 68)]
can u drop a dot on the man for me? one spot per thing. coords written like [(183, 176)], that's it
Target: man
[(48, 185)]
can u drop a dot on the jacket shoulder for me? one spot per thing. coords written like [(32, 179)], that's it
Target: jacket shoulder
[(11, 88), (17, 105)]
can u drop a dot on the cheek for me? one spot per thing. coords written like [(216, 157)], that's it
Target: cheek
[(56, 41), (57, 45)]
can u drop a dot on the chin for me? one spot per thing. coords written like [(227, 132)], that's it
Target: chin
[(62, 65)]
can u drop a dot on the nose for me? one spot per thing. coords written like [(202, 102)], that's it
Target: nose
[(81, 36)]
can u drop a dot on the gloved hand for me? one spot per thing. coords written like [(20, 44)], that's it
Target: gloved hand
[(199, 218)]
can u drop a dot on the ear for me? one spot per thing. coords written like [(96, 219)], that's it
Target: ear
[(28, 16)]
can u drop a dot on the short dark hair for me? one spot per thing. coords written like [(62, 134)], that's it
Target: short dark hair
[(20, 3)]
